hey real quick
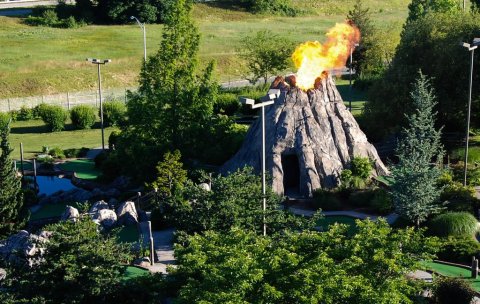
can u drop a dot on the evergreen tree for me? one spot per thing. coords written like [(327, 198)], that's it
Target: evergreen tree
[(416, 191), (171, 174), (419, 8), (11, 196)]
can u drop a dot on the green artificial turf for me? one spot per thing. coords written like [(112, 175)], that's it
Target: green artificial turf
[(132, 272), (454, 272), (84, 168), (51, 210), (327, 221)]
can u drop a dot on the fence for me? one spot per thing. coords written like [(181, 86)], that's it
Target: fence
[(66, 100)]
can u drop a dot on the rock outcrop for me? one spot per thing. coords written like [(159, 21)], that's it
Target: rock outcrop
[(70, 213), (23, 247), (127, 214), (105, 217), (310, 138)]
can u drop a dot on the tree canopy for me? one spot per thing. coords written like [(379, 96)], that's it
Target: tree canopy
[(302, 267)]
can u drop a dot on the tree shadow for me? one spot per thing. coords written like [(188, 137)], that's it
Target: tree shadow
[(225, 5)]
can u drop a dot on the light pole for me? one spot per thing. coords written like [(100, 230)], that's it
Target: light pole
[(350, 78), (471, 48), (142, 26), (100, 62), (267, 100)]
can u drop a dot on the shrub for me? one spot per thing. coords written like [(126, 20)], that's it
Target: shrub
[(453, 291), (361, 167), (54, 117), (227, 103), (114, 113), (454, 224), (361, 198), (83, 117), (4, 118), (113, 139), (73, 153), (159, 219), (326, 200), (56, 152), (459, 250), (24, 114), (381, 201), (460, 198)]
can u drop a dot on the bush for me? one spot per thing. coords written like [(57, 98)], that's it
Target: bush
[(38, 110), (454, 224), (326, 200), (54, 117), (24, 114), (114, 113), (74, 153), (4, 118), (381, 202), (459, 198), (361, 199), (113, 139), (227, 103), (56, 152), (453, 291), (361, 167), (459, 250), (83, 117), (159, 219)]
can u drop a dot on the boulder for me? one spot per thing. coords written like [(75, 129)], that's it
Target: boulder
[(205, 186), (14, 247), (3, 274), (98, 206), (106, 217), (127, 214), (70, 213), (142, 262)]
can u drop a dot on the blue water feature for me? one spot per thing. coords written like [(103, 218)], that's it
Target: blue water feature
[(50, 184)]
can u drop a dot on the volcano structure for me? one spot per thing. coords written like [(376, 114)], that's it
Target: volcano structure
[(310, 138)]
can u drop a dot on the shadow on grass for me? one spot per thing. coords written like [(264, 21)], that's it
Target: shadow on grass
[(353, 95), (38, 129), (225, 5)]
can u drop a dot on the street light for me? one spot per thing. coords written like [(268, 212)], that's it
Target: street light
[(142, 26), (471, 48), (350, 86), (267, 100), (100, 62)]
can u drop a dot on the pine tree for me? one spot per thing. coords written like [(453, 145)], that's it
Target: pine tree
[(11, 196), (415, 191)]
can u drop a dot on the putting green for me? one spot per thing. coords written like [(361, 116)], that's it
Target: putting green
[(453, 272), (84, 168), (132, 272), (327, 221)]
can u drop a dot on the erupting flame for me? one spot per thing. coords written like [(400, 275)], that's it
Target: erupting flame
[(312, 58)]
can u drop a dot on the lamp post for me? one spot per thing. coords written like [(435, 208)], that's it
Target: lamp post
[(142, 26), (350, 78), (471, 48), (267, 100), (100, 62)]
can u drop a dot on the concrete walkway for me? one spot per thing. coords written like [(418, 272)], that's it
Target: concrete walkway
[(391, 218), (163, 244)]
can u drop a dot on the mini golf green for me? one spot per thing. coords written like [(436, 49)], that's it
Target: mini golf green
[(132, 272), (327, 221), (84, 168), (51, 210), (453, 272)]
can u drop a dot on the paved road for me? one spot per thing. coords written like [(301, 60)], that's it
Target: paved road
[(29, 3)]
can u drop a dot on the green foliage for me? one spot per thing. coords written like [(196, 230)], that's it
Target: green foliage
[(119, 11), (381, 201), (302, 267), (361, 167), (459, 249), (415, 191), (54, 117), (459, 198), (56, 152), (430, 44), (420, 8), (326, 200), (83, 117), (266, 54), (75, 153), (453, 291), (25, 113), (458, 224), (79, 265), (114, 113), (12, 213), (234, 201), (170, 174)]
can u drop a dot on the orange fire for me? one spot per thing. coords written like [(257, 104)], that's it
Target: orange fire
[(312, 58)]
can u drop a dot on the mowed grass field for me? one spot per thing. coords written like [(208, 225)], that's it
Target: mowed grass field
[(42, 61)]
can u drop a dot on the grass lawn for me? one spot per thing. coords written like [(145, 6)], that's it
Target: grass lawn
[(357, 97), (30, 67), (128, 234), (84, 168), (326, 221), (132, 272), (452, 271), (34, 136)]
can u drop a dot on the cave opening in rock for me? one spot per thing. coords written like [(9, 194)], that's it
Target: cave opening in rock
[(291, 174)]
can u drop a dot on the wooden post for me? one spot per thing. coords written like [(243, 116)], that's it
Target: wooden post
[(68, 101), (474, 268), (139, 194), (21, 159), (35, 172), (15, 165), (9, 108), (152, 248)]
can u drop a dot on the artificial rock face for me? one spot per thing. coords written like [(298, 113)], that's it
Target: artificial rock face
[(310, 138)]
